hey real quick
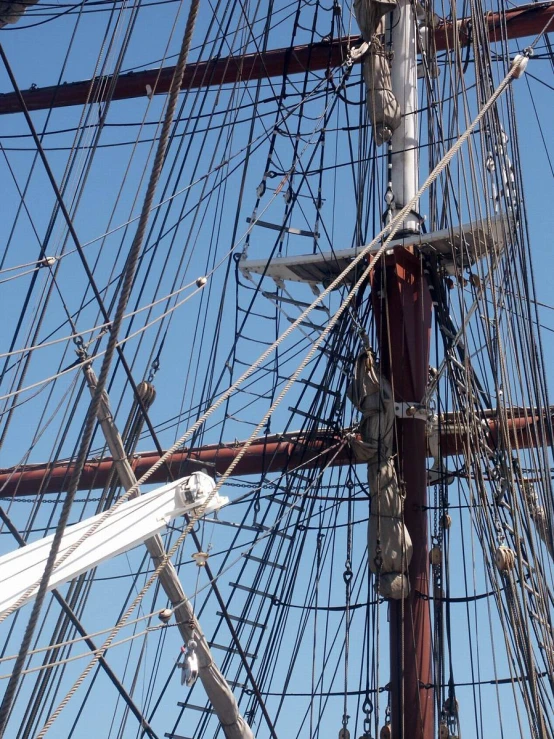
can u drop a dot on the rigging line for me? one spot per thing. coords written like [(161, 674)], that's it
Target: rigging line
[(182, 263), (293, 556), (170, 141), (35, 11), (271, 530), (135, 142), (117, 279), (509, 613), (65, 181), (235, 246), (222, 552), (538, 79), (81, 363), (47, 20), (258, 141), (537, 118), (192, 242), (34, 263), (394, 226), (39, 432), (334, 639), (117, 198), (215, 590), (77, 640), (212, 111), (464, 599), (214, 587), (21, 274), (21, 195), (221, 37), (101, 326), (9, 695), (286, 176), (193, 409), (77, 624), (96, 652), (145, 124), (275, 128), (542, 33), (77, 365), (498, 681)]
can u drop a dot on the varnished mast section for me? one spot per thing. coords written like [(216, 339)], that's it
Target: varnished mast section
[(514, 23), (273, 453)]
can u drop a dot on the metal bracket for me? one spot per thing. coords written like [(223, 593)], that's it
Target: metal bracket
[(435, 474), (411, 410)]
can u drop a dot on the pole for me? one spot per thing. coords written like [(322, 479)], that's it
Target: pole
[(273, 453), (405, 326), (404, 164), (402, 307), (215, 685), (524, 20)]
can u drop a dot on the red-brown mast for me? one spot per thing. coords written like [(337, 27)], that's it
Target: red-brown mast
[(403, 311), (271, 454), (526, 20)]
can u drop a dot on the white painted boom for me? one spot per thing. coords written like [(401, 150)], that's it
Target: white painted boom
[(132, 523)]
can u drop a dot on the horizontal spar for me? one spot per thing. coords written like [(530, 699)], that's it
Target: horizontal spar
[(526, 20), (272, 454)]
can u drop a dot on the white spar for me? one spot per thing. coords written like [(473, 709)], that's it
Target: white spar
[(132, 523)]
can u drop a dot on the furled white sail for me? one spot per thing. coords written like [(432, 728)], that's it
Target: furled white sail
[(382, 105), (389, 543)]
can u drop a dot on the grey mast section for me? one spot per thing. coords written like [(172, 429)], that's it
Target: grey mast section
[(217, 689)]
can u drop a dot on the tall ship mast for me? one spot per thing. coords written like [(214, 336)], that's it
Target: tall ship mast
[(275, 425)]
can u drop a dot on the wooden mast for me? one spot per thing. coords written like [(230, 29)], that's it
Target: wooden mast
[(271, 454), (403, 311)]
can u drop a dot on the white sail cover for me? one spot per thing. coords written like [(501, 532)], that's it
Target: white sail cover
[(389, 543), (382, 105), (11, 10), (369, 13)]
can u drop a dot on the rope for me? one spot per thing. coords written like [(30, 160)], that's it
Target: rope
[(98, 326), (106, 364), (392, 229)]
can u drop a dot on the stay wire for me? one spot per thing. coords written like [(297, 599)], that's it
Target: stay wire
[(393, 227), (90, 421)]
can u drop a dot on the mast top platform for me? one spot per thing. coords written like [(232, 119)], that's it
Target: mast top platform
[(458, 247)]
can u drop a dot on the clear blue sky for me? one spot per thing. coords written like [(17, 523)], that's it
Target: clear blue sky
[(37, 56)]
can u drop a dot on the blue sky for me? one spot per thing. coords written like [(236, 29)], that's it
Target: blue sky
[(36, 55)]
